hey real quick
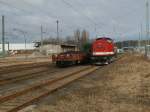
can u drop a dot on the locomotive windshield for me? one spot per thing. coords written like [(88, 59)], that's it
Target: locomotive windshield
[(105, 38)]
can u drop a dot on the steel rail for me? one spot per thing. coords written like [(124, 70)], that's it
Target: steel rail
[(38, 91), (24, 77), (9, 69)]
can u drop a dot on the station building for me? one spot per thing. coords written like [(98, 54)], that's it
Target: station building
[(57, 48)]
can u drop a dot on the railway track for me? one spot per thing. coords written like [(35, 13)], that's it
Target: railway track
[(24, 79), (25, 76), (22, 98), (21, 67)]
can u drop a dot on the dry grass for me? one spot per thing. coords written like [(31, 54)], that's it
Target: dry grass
[(120, 87)]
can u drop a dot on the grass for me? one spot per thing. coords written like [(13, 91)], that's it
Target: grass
[(120, 87)]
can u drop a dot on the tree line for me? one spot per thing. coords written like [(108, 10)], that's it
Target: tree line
[(133, 43)]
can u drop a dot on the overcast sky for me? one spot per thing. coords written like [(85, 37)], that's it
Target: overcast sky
[(118, 19)]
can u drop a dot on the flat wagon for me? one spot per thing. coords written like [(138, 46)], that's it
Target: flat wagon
[(69, 58)]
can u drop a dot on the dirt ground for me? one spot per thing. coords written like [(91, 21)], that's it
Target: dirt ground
[(123, 86)]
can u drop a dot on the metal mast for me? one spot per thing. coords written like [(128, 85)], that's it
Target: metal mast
[(147, 21), (57, 31), (41, 37), (3, 35), (141, 35)]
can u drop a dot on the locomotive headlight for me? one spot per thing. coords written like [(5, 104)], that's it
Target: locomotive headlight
[(109, 41), (68, 55)]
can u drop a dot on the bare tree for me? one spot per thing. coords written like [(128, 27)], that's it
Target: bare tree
[(77, 35), (85, 37)]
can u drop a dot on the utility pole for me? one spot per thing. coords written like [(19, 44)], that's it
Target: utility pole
[(147, 22), (25, 40), (8, 47), (139, 42), (3, 35), (57, 31), (95, 30), (114, 33), (141, 35), (41, 37)]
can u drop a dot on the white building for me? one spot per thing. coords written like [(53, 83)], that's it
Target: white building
[(18, 46)]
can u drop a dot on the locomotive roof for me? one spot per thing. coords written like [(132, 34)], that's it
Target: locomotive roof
[(104, 38), (69, 52)]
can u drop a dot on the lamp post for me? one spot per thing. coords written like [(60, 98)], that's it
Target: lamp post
[(25, 40), (57, 31), (42, 34)]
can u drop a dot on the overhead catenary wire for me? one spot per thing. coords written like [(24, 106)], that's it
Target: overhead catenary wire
[(48, 13), (19, 9), (25, 11), (56, 17), (10, 5), (79, 12), (82, 14), (16, 14)]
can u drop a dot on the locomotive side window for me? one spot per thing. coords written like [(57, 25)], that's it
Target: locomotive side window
[(108, 39)]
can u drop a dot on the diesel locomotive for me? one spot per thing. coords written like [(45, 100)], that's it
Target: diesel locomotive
[(103, 51)]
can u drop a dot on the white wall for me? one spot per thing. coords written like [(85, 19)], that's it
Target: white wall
[(51, 49), (18, 46)]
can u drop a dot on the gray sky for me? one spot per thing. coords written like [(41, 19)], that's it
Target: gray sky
[(118, 19)]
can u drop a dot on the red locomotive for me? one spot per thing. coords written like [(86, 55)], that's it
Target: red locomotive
[(103, 51)]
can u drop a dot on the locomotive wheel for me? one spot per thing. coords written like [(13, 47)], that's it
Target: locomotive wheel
[(60, 63), (57, 63)]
